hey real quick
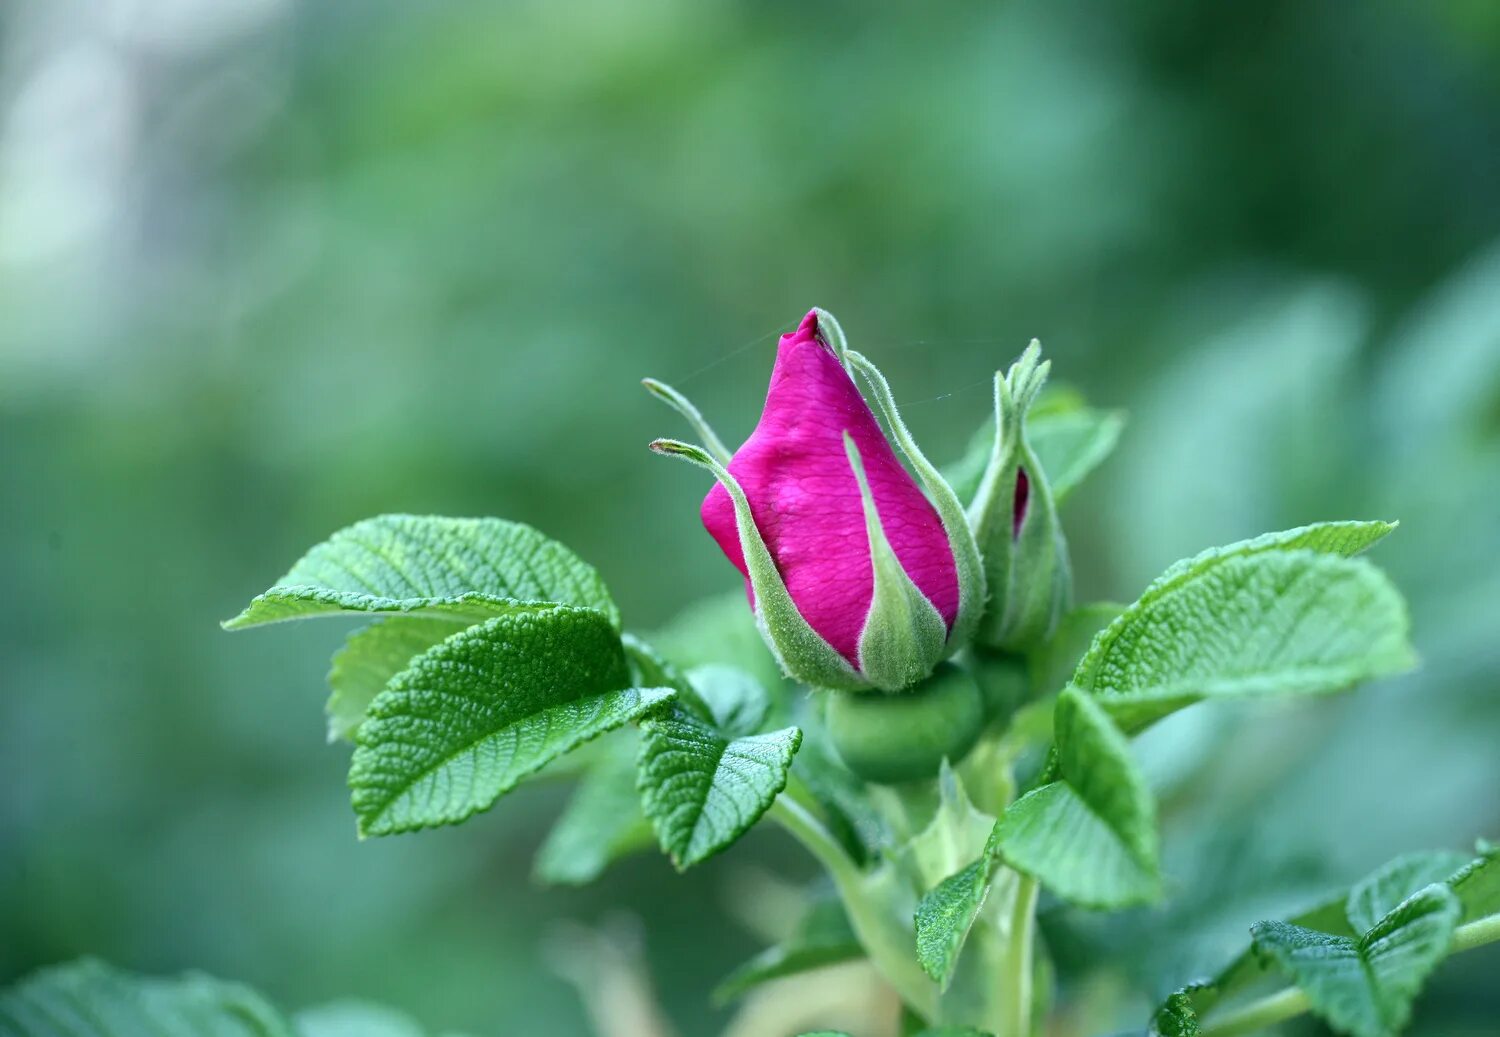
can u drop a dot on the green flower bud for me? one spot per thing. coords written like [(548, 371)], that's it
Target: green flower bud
[(891, 739), (1014, 518)]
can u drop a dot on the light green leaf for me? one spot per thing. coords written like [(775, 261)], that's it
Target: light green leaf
[(1248, 622), (371, 656), (1478, 883), (1378, 894), (1365, 987), (466, 570), (601, 823), (479, 712), (702, 789), (823, 937), (1089, 836), (91, 999), (1347, 539)]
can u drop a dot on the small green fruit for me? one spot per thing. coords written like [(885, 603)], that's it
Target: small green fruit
[(891, 739)]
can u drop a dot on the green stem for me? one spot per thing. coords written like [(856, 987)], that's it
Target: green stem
[(1292, 1002), (888, 943), (1016, 978)]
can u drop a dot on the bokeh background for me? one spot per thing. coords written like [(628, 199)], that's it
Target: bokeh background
[(271, 266)]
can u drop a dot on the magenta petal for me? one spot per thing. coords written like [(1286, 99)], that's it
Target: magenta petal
[(806, 502)]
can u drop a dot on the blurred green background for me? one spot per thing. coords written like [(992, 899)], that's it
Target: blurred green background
[(268, 267)]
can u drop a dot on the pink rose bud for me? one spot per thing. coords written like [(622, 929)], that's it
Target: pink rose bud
[(858, 577)]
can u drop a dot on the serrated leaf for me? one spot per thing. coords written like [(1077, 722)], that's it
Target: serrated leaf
[(91, 999), (479, 712), (1365, 987), (947, 912), (1248, 622), (1379, 893), (823, 937), (1089, 836), (466, 570), (1477, 883), (702, 789), (370, 657), (601, 823)]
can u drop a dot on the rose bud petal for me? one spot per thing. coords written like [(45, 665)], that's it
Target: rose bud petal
[(857, 578), (1014, 517)]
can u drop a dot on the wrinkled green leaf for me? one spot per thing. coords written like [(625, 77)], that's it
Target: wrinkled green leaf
[(947, 913), (823, 937), (1379, 893), (1177, 1017), (91, 999), (371, 656), (703, 789), (1250, 620), (466, 570), (601, 823), (479, 712), (1365, 987), (1089, 836)]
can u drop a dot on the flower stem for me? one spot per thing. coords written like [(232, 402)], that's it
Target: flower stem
[(1291, 1002), (889, 944), (1016, 979)]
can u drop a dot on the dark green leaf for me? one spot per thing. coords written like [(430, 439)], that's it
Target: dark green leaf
[(947, 912), (466, 570), (701, 788), (479, 712)]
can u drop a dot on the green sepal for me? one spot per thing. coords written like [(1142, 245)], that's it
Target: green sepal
[(801, 651), (1025, 556), (904, 635), (972, 589)]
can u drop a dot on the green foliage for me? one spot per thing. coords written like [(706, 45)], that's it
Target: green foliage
[(91, 999), (1089, 835), (823, 937), (947, 912), (1365, 987), (1279, 614), (702, 788), (369, 659), (477, 713), (600, 824), (1360, 958), (463, 569)]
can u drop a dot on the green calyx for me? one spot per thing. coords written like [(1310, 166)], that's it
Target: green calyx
[(893, 739), (1015, 523)]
